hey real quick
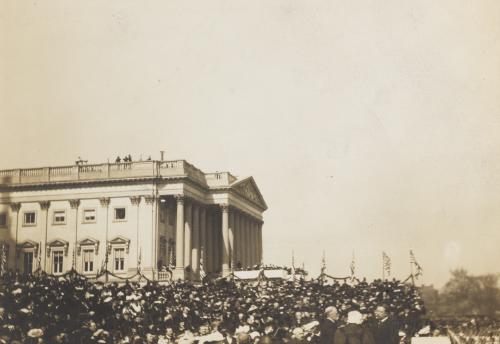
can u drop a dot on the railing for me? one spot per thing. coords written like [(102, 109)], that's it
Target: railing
[(136, 169), (164, 276), (219, 178)]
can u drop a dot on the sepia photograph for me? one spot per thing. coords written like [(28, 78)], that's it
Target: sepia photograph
[(259, 172)]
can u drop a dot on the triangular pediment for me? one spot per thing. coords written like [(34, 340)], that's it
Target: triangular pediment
[(249, 190), (88, 242), (58, 243), (119, 240), (28, 244)]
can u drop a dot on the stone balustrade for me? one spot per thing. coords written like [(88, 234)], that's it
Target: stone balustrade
[(90, 172)]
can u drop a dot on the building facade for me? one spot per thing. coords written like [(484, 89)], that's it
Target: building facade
[(122, 217)]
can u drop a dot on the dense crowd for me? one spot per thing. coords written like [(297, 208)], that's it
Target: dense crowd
[(469, 330), (47, 309)]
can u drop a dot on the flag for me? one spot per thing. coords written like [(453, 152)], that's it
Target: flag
[(3, 259), (73, 262), (353, 266), (323, 264), (202, 268), (386, 261), (139, 260), (418, 268), (39, 256)]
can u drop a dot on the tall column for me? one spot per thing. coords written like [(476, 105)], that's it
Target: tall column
[(203, 239), (195, 253), (236, 230), (216, 248), (252, 241), (179, 238), (15, 209), (225, 240), (74, 204), (210, 241), (248, 243), (44, 206), (231, 240), (259, 231), (188, 233), (243, 244)]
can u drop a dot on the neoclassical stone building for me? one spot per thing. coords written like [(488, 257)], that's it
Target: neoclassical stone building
[(120, 216)]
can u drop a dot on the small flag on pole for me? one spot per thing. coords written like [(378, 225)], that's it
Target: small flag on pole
[(386, 261), (139, 260), (39, 256), (418, 268), (353, 266), (202, 268), (323, 264), (3, 259)]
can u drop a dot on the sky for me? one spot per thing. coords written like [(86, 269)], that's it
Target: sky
[(368, 126)]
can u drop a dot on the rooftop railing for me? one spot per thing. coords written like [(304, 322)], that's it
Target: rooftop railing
[(86, 172)]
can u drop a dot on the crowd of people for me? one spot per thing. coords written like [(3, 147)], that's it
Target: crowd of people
[(48, 309)]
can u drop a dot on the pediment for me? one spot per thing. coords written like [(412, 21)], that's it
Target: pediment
[(58, 243), (55, 244), (28, 244), (119, 240), (249, 190), (88, 242)]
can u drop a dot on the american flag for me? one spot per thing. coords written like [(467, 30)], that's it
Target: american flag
[(202, 268), (323, 264), (39, 256), (139, 260), (418, 268), (352, 266), (386, 261), (3, 259)]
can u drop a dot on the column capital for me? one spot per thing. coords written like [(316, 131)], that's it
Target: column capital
[(224, 208), (180, 198), (15, 206), (44, 205), (135, 200), (74, 203), (149, 199), (104, 201)]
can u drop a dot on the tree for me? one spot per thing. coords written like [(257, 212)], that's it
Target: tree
[(465, 294)]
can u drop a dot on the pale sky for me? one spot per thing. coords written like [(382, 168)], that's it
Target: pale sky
[(369, 126)]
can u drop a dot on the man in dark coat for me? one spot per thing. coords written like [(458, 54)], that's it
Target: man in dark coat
[(386, 330), (328, 325), (353, 332)]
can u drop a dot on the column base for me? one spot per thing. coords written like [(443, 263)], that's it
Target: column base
[(179, 274), (226, 272)]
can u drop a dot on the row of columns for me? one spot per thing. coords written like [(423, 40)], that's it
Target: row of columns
[(221, 239)]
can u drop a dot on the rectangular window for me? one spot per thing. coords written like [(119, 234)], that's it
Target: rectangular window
[(88, 260), (57, 262), (119, 259), (28, 262), (59, 217), (89, 215), (29, 218), (120, 214), (3, 219)]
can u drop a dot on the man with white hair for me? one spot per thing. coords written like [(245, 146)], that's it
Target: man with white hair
[(353, 332), (329, 325)]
